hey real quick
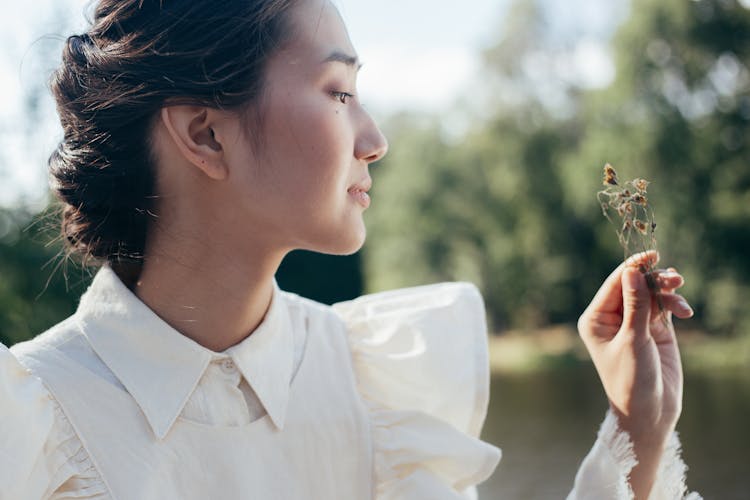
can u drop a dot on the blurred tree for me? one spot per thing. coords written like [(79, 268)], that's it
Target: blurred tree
[(489, 208), (511, 206), (37, 287), (678, 113), (510, 203)]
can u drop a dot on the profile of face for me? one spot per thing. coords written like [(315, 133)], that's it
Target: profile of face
[(300, 179)]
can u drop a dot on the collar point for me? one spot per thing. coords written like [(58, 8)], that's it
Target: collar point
[(278, 420)]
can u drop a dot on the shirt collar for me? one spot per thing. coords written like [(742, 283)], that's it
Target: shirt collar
[(161, 368)]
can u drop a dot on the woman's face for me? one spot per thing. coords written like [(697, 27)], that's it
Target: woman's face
[(303, 182)]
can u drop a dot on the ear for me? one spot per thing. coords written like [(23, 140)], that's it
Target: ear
[(191, 129)]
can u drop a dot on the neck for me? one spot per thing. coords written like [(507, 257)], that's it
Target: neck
[(212, 297)]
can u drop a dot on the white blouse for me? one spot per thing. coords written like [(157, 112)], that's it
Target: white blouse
[(379, 398)]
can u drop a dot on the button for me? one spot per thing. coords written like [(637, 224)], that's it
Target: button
[(227, 366)]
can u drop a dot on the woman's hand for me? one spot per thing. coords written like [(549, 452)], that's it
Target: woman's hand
[(633, 346)]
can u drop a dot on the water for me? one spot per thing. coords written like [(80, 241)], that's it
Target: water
[(546, 422)]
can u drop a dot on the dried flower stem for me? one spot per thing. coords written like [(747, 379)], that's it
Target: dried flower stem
[(626, 206)]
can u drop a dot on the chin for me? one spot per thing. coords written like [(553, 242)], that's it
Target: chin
[(347, 247), (342, 242)]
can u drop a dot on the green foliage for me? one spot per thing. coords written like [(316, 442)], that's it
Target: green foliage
[(35, 291), (475, 211), (679, 114), (512, 207)]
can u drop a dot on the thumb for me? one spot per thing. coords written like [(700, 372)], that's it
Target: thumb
[(636, 301)]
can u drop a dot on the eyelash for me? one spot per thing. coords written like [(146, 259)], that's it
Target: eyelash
[(342, 96)]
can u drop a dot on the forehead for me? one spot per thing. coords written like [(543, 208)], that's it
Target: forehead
[(317, 30)]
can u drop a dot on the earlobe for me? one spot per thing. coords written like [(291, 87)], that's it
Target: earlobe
[(190, 129)]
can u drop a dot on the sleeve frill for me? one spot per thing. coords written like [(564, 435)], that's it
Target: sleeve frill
[(41, 456), (604, 473), (421, 361)]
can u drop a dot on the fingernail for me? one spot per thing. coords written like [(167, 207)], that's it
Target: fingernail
[(683, 306)]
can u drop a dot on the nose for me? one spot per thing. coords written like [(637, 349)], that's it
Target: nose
[(371, 144)]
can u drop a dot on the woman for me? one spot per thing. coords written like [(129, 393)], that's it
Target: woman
[(203, 141)]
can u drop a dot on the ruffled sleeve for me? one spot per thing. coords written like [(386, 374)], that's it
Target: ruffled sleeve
[(420, 357), (604, 473), (41, 456)]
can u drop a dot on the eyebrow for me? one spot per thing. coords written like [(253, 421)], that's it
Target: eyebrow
[(342, 57)]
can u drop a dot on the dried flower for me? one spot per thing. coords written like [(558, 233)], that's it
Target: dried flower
[(610, 176), (630, 204), (640, 199), (641, 184)]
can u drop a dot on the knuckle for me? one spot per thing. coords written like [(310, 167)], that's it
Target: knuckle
[(636, 299)]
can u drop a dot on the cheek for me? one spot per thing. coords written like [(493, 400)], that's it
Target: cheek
[(323, 135), (319, 153), (307, 155)]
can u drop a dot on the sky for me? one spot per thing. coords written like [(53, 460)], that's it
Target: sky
[(418, 55)]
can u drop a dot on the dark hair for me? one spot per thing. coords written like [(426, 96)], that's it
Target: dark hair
[(137, 56)]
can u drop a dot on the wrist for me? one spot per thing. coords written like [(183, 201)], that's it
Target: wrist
[(641, 425), (649, 442), (656, 435)]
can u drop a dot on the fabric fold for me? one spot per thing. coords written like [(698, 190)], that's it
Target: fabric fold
[(604, 473), (421, 362), (41, 456)]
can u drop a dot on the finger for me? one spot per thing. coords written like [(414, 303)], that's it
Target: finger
[(668, 280), (676, 304), (609, 297), (636, 301), (658, 310), (647, 259)]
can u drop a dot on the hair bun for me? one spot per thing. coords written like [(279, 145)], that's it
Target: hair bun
[(110, 85), (81, 53), (100, 174)]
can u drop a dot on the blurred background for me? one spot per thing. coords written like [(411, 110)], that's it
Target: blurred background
[(500, 115)]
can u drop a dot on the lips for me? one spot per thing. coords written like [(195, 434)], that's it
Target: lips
[(359, 192)]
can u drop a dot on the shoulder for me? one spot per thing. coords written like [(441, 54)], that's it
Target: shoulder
[(63, 347), (422, 349), (299, 305), (442, 305), (422, 369), (309, 313), (63, 356), (53, 338), (455, 298), (43, 447)]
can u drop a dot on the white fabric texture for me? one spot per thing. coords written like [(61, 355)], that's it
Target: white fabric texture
[(405, 344), (420, 422), (40, 454), (416, 361), (603, 475)]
